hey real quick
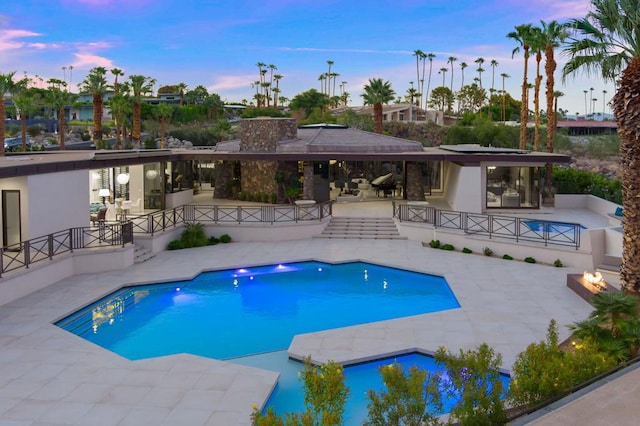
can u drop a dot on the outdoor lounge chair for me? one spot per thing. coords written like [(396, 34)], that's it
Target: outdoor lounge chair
[(100, 216)]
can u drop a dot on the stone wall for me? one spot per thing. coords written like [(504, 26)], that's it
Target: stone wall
[(259, 177), (223, 187), (263, 134), (414, 187), (308, 189)]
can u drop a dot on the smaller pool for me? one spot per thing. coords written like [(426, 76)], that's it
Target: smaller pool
[(288, 397), (552, 227)]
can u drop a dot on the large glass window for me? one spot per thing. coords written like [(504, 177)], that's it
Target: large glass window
[(512, 187)]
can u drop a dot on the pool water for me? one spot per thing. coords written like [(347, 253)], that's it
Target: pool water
[(233, 313), (288, 397), (552, 227)]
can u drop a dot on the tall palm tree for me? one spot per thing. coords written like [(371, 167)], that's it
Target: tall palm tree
[(96, 84), (556, 94), (70, 77), (377, 93), (430, 57), (117, 72), (8, 86), (591, 100), (420, 58), (504, 76), (604, 93), (553, 34), (480, 70), (58, 97), (26, 103), (329, 62), (586, 110), (140, 86), (494, 64), (607, 42), (451, 60), (537, 43), (120, 106), (276, 78), (521, 35)]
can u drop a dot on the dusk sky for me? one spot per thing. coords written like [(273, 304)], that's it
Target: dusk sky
[(217, 44)]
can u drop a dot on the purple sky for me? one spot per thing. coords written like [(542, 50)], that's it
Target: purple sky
[(218, 43)]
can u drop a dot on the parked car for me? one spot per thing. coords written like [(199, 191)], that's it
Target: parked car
[(14, 142)]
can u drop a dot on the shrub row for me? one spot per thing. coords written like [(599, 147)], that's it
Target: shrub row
[(194, 236), (487, 252)]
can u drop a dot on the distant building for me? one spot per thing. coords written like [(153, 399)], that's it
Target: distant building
[(397, 112)]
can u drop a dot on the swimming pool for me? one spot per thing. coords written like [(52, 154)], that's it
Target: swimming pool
[(288, 397), (233, 313), (552, 227)]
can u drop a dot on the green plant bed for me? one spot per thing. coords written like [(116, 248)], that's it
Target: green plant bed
[(558, 263), (467, 250), (529, 259), (434, 243), (225, 238), (507, 257), (448, 247)]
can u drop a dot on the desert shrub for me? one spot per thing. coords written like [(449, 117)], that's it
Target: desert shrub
[(487, 251), (273, 198), (150, 143), (448, 247), (507, 257), (213, 241), (175, 245), (193, 235), (411, 398), (467, 250), (225, 238), (325, 397), (474, 381), (558, 263), (529, 259), (544, 370), (434, 243)]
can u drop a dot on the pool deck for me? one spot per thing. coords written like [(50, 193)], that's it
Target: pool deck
[(51, 377)]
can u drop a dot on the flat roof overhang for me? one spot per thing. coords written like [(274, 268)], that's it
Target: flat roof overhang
[(26, 164)]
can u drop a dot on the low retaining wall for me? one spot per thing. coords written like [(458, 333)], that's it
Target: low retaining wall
[(40, 275)]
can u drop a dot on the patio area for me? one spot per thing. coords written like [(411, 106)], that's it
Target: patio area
[(49, 376)]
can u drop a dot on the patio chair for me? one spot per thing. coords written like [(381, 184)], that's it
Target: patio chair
[(136, 206), (100, 216)]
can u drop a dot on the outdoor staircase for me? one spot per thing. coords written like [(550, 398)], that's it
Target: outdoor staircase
[(361, 228), (142, 254)]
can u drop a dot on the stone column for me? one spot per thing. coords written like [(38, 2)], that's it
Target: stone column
[(308, 190), (413, 186), (223, 180)]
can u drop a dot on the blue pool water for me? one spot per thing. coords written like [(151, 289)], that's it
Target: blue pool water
[(233, 313), (551, 227), (288, 397)]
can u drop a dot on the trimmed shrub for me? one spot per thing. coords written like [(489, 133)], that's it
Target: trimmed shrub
[(507, 257), (558, 263), (213, 241), (529, 259), (225, 238), (448, 247), (467, 250), (434, 243), (193, 235), (487, 251), (175, 245)]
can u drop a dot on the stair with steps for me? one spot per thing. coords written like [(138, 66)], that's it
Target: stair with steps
[(142, 254), (361, 228)]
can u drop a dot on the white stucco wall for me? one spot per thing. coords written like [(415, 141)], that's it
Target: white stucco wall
[(56, 201), (464, 188), (19, 184)]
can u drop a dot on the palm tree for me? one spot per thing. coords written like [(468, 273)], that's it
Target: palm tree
[(556, 94), (604, 93), (329, 62), (430, 57), (504, 76), (25, 102), (276, 78), (96, 84), (7, 87), (451, 60), (377, 93), (537, 46), (117, 72), (140, 86), (59, 98), (553, 35), (420, 57), (120, 106), (521, 35), (591, 99), (494, 64), (480, 70), (607, 42), (70, 76), (586, 110), (163, 112)]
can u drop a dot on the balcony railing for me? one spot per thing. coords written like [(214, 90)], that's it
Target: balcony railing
[(268, 214), (26, 253), (515, 228)]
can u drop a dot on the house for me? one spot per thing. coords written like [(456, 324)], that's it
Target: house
[(403, 112)]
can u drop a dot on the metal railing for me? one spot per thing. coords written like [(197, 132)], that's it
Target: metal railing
[(515, 228), (26, 253), (166, 219)]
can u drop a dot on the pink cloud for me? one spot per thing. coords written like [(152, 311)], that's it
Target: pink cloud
[(11, 39), (87, 61), (227, 82), (552, 9)]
